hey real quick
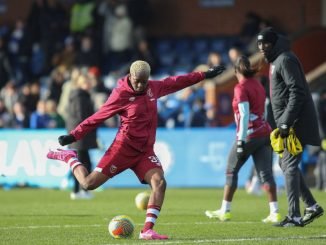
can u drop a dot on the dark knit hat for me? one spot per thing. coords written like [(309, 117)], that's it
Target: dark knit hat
[(268, 35)]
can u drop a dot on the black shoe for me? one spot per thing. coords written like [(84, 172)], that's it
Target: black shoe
[(310, 215), (288, 222)]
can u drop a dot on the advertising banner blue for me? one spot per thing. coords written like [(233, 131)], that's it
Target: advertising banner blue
[(190, 158)]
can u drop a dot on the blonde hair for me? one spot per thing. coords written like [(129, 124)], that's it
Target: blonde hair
[(140, 67)]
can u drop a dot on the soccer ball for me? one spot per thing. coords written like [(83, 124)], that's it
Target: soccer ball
[(121, 226), (141, 200)]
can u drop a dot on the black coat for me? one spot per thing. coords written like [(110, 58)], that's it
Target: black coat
[(79, 108), (291, 99)]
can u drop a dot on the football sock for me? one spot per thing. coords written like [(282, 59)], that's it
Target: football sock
[(152, 214), (226, 206), (273, 207), (73, 163)]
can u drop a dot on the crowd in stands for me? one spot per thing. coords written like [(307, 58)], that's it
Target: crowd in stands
[(42, 56)]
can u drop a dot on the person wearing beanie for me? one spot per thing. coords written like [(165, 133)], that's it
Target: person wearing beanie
[(292, 107)]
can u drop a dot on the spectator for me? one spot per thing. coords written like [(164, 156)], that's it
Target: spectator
[(234, 54), (40, 118), (67, 86), (82, 16), (118, 40), (37, 61), (29, 96), (4, 115), (5, 67), (214, 58), (56, 81), (9, 95), (67, 56), (19, 117), (79, 108), (55, 119), (87, 55), (19, 50)]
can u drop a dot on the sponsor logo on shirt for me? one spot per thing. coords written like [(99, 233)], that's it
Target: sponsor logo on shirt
[(149, 93), (132, 99)]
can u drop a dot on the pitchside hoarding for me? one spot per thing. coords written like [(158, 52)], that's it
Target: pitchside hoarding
[(190, 158)]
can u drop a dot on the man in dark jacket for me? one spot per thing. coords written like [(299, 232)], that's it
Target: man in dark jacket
[(79, 108), (292, 106)]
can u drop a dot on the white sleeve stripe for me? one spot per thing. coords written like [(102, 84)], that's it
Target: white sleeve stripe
[(244, 112), (97, 169), (153, 211)]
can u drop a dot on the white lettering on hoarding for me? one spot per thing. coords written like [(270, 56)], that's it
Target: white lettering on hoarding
[(29, 158), (215, 156)]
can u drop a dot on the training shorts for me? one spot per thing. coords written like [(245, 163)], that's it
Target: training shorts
[(121, 156)]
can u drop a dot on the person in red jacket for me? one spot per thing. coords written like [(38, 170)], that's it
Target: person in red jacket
[(135, 100)]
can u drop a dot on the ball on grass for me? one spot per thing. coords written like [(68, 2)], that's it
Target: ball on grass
[(121, 226)]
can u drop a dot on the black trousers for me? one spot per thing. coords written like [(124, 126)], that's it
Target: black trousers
[(295, 184)]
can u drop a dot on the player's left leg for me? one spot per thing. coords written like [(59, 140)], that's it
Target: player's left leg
[(263, 160), (149, 171)]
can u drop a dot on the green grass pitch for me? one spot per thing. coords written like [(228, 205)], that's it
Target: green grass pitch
[(43, 216)]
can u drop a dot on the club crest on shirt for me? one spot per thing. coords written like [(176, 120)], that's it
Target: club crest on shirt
[(149, 92), (113, 169)]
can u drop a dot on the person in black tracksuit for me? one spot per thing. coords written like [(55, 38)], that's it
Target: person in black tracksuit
[(80, 107), (292, 106)]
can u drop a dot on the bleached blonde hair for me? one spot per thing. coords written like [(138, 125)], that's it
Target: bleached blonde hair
[(140, 67)]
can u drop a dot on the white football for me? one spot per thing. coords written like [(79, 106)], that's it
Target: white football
[(121, 226), (142, 199)]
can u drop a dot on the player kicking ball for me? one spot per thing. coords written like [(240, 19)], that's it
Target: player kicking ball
[(135, 101)]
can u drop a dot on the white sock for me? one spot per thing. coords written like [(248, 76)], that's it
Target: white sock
[(226, 206), (273, 207)]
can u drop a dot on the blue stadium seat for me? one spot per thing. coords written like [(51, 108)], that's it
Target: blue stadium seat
[(162, 45), (182, 45), (200, 45), (219, 44)]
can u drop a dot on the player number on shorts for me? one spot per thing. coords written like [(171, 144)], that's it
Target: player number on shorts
[(155, 160)]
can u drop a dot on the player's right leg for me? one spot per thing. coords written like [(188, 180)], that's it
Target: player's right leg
[(89, 181)]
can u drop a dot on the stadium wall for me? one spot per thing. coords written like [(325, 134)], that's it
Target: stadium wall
[(190, 158), (187, 17)]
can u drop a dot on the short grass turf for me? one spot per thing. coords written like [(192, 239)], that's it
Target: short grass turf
[(44, 216)]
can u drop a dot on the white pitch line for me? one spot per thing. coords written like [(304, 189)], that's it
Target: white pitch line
[(223, 240), (99, 225)]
